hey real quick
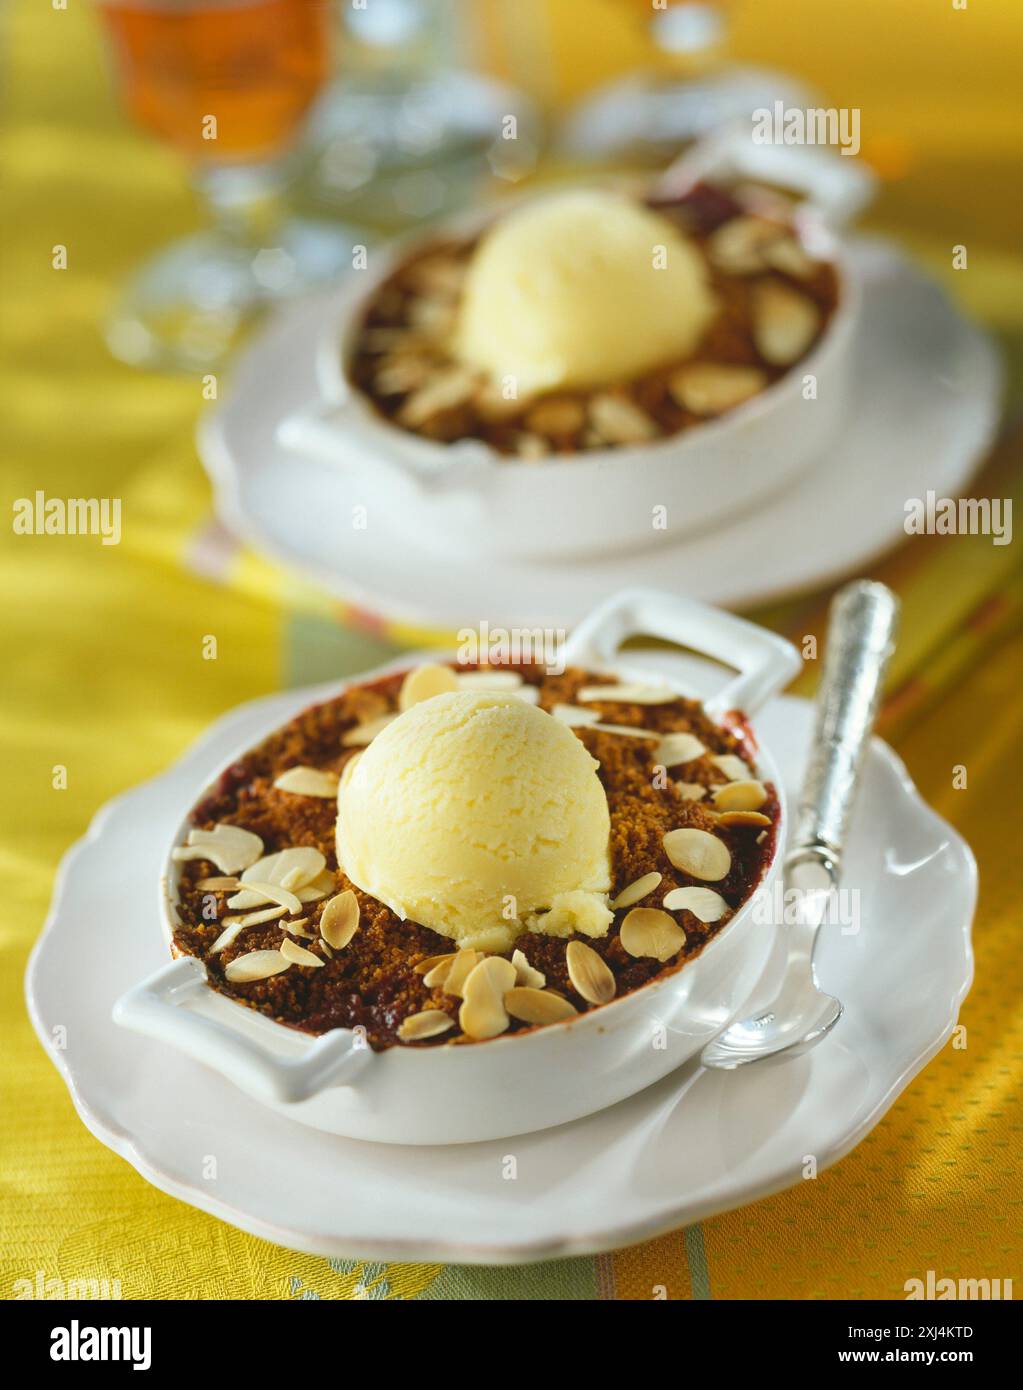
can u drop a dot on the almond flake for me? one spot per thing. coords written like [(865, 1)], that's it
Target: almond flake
[(435, 977), (698, 853), (528, 694), (737, 247), (691, 791), (526, 974), (308, 781), (575, 716), (675, 749), (649, 932), (217, 885), (627, 730), (739, 796), (743, 818), (643, 885), (492, 678), (590, 975), (787, 255), (444, 390), (297, 927), (482, 1014), (785, 323), (733, 768), (425, 966), (228, 846), (424, 682), (637, 694), (339, 919), (620, 421), (711, 388), (234, 926), (257, 965), (703, 903), (427, 1024), (298, 865), (538, 1006), (321, 885), (464, 963), (266, 893), (298, 955), (531, 447), (362, 734), (559, 415)]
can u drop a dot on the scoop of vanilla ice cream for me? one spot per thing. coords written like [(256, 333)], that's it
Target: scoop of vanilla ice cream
[(583, 288), (471, 811)]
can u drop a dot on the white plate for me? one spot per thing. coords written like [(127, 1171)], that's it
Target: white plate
[(694, 1144), (923, 409)]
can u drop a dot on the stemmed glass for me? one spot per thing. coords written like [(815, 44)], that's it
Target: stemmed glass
[(649, 116), (228, 83)]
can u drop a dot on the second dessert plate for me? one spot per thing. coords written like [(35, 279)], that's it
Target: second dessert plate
[(693, 1144), (923, 408)]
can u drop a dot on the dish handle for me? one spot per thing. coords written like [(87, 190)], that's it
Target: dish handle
[(764, 663), (165, 1006)]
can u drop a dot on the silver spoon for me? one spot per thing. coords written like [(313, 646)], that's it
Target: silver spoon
[(861, 638)]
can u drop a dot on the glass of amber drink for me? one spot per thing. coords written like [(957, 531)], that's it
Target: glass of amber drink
[(228, 83)]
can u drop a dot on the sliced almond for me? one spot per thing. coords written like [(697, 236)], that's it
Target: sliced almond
[(526, 974), (575, 716), (424, 682), (559, 415), (488, 678), (339, 919), (257, 965), (531, 447), (234, 926), (217, 885), (590, 975), (691, 791), (435, 977), (482, 1014), (711, 388), (253, 919), (256, 893), (649, 932), (443, 390), (362, 734), (626, 730), (703, 903), (743, 818), (464, 963), (528, 694), (296, 926), (402, 372), (635, 694), (321, 885), (787, 255), (298, 955), (308, 781), (737, 247), (538, 1006), (228, 846), (698, 853), (740, 796), (785, 323), (643, 885), (620, 421), (431, 962), (675, 749), (291, 868), (427, 1024), (733, 768)]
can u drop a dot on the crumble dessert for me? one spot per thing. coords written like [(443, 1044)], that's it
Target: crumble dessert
[(585, 320), (283, 929)]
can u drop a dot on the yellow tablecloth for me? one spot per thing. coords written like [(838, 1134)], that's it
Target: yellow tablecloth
[(103, 672)]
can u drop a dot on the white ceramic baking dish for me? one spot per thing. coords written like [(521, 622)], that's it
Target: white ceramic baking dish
[(513, 1084), (465, 495)]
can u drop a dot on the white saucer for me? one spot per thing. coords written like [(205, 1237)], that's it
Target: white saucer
[(924, 408), (695, 1144)]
